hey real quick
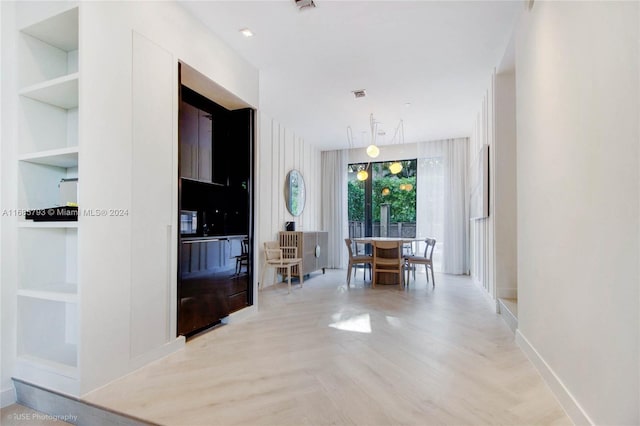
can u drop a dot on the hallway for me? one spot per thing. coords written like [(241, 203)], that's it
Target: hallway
[(325, 354)]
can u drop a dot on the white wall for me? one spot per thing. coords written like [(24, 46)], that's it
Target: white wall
[(280, 149), (505, 251), (578, 204), (106, 93)]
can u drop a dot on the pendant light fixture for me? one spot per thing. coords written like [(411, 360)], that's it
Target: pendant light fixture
[(372, 150), (362, 174), (396, 166)]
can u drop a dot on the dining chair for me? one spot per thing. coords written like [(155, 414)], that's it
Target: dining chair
[(357, 260), (387, 258), (426, 260), (407, 249), (243, 258), (280, 258)]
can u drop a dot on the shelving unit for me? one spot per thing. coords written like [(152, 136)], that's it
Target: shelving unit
[(48, 297), (47, 257), (63, 157), (66, 292), (48, 331), (61, 92)]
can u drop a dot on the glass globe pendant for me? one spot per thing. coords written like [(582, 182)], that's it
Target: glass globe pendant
[(395, 167), (373, 151)]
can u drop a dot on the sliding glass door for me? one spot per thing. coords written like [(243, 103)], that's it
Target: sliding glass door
[(407, 204)]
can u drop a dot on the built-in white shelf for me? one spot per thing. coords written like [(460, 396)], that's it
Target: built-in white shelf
[(59, 30), (61, 92), (48, 303), (67, 292), (48, 329), (48, 225), (63, 157)]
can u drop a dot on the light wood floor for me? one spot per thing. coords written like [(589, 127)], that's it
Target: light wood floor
[(326, 354)]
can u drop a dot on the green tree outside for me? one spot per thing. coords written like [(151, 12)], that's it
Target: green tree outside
[(355, 194), (403, 202)]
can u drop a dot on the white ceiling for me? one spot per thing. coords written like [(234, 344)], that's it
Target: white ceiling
[(437, 55)]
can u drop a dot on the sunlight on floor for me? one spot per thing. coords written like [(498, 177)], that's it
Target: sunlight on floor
[(358, 323), (394, 321)]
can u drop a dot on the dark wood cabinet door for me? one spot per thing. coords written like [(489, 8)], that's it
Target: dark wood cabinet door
[(203, 302), (188, 125)]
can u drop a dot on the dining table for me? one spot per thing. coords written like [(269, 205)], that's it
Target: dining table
[(370, 240), (388, 278)]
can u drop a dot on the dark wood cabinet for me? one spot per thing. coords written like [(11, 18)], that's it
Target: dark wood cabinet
[(215, 168), (211, 287), (196, 139)]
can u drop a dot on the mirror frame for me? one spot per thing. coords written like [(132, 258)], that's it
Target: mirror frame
[(294, 176)]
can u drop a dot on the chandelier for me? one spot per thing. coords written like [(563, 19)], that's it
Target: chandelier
[(372, 149)]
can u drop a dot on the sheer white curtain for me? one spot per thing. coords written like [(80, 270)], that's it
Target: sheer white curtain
[(455, 259), (334, 205), (430, 197), (442, 202)]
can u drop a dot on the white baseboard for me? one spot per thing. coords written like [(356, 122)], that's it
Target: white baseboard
[(573, 409), (509, 318), (7, 396)]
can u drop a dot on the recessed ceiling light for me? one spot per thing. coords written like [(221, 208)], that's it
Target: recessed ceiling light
[(359, 93), (304, 4), (246, 32), (407, 104)]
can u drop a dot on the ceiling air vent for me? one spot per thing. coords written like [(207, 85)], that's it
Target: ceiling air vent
[(303, 4), (361, 93)]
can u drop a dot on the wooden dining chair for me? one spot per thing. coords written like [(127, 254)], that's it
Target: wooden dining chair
[(426, 260), (280, 258), (243, 258), (366, 260), (387, 258)]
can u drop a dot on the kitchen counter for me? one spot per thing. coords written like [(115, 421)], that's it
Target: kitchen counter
[(188, 240)]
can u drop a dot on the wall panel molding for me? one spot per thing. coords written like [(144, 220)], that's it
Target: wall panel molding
[(280, 150)]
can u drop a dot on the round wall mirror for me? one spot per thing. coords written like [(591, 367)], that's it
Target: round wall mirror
[(294, 192)]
